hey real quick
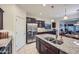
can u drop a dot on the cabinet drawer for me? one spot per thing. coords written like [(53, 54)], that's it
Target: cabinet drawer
[(50, 48), (43, 49)]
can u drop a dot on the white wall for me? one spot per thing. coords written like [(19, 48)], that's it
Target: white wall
[(9, 18), (22, 14)]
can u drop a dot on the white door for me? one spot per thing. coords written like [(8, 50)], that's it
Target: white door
[(20, 32)]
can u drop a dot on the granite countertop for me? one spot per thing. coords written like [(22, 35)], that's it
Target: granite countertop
[(4, 42), (68, 46)]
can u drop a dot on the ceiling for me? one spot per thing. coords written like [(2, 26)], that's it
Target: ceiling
[(48, 12)]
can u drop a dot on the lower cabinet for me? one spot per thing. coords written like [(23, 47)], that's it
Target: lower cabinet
[(7, 49), (52, 51), (45, 48), (38, 44)]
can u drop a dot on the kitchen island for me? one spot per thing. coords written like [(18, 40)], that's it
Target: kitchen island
[(69, 45)]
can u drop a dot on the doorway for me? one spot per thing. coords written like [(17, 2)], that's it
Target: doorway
[(20, 36)]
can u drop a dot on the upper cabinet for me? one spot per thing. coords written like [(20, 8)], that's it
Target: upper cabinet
[(40, 23), (1, 18), (31, 20), (53, 25)]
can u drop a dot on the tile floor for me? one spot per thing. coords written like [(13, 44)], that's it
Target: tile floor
[(28, 49)]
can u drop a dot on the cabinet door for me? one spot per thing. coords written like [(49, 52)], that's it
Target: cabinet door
[(31, 20), (38, 44), (43, 49), (10, 47), (50, 51), (53, 25), (28, 20), (41, 23), (1, 18)]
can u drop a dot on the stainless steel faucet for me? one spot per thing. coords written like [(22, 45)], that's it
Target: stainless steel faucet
[(56, 36)]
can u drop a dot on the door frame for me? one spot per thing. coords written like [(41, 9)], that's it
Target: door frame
[(15, 31)]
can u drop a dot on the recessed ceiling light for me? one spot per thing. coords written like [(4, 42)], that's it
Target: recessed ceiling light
[(40, 13), (44, 5), (52, 20)]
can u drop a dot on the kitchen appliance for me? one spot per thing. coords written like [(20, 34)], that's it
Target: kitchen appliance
[(31, 31)]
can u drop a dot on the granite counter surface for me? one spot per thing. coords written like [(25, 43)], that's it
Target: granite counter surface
[(68, 46), (4, 42)]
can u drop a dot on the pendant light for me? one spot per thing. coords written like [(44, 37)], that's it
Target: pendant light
[(44, 5), (65, 16)]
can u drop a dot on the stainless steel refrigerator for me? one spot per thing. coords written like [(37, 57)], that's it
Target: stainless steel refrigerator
[(31, 31)]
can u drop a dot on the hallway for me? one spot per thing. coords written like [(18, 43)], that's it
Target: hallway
[(28, 49)]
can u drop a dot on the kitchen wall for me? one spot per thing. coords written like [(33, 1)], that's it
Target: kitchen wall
[(19, 12), (10, 13), (8, 17)]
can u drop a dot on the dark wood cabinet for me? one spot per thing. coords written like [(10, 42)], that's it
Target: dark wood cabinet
[(40, 23), (45, 48), (30, 20), (1, 18), (7, 49), (40, 47), (38, 44), (53, 25), (52, 50)]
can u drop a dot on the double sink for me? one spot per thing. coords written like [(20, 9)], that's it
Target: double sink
[(53, 40)]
